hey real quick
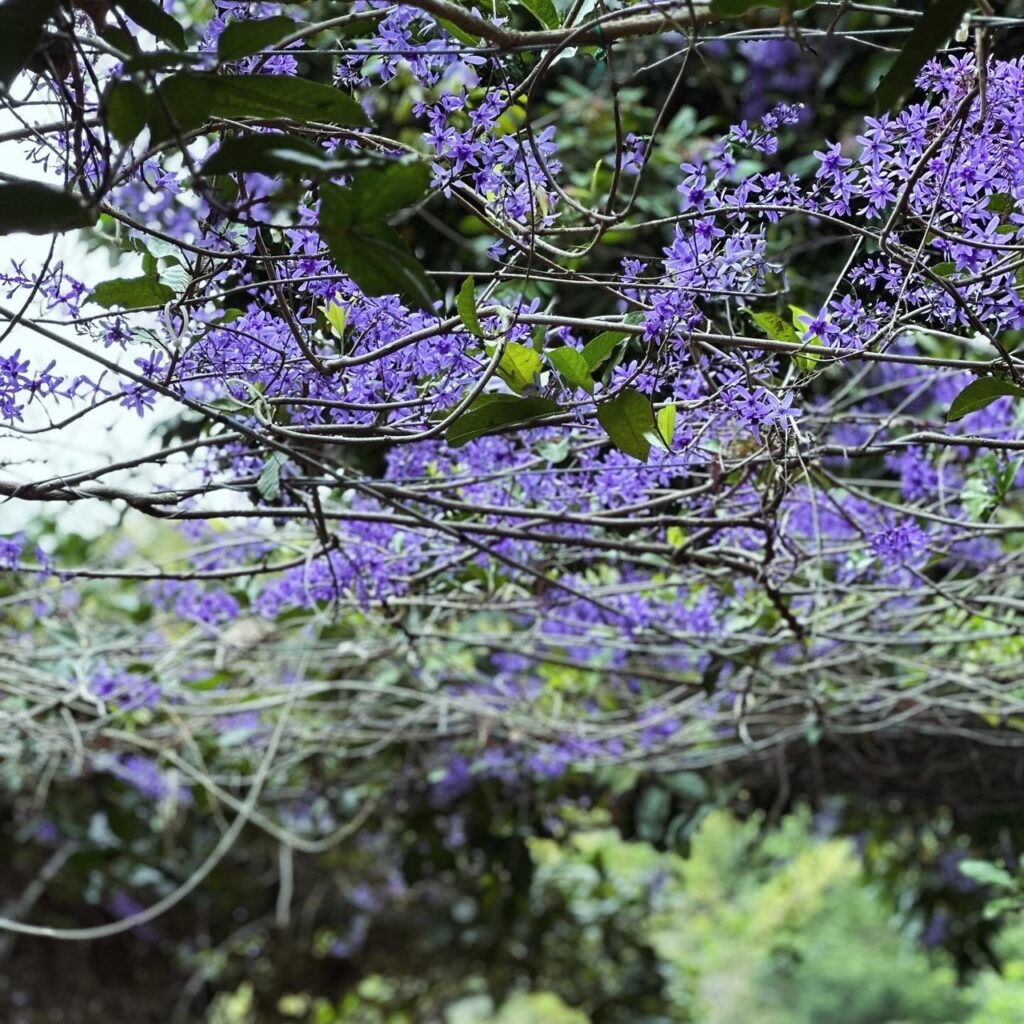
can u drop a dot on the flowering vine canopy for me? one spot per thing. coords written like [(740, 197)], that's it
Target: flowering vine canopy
[(488, 402)]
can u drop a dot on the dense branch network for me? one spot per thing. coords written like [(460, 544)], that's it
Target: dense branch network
[(639, 470)]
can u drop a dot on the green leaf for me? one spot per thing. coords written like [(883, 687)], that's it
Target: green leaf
[(666, 421), (652, 813), (269, 481), (775, 326), (192, 98), (944, 269), (1000, 202), (337, 317), (1003, 905), (628, 419), (244, 38), (281, 96), (381, 191), (736, 8), (149, 15), (806, 360), (543, 10), (126, 110), (180, 104), (930, 32), (572, 367), (277, 153), (381, 264), (490, 412), (985, 873), (596, 351), (465, 303), (980, 393), (21, 29), (159, 60), (374, 255), (119, 39), (36, 209), (519, 366), (457, 33), (132, 293)]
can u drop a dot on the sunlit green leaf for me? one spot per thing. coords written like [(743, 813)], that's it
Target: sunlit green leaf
[(572, 367), (628, 419), (985, 873), (465, 303), (596, 351), (519, 366), (775, 326), (666, 422), (337, 317)]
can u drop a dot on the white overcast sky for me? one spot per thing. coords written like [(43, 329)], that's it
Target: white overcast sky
[(98, 439)]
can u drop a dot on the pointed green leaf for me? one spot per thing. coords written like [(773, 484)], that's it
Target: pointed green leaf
[(572, 367), (192, 97), (150, 15), (378, 192), (278, 153), (1000, 202), (980, 393), (775, 326), (736, 8), (666, 421), (457, 33), (378, 257), (160, 60), (628, 419), (544, 11), (132, 293), (596, 351), (119, 39), (269, 481), (374, 255), (465, 303), (126, 108), (519, 366), (930, 32), (179, 105), (985, 873), (244, 38), (21, 29), (36, 209), (337, 317), (490, 412), (944, 269), (806, 360), (282, 97)]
